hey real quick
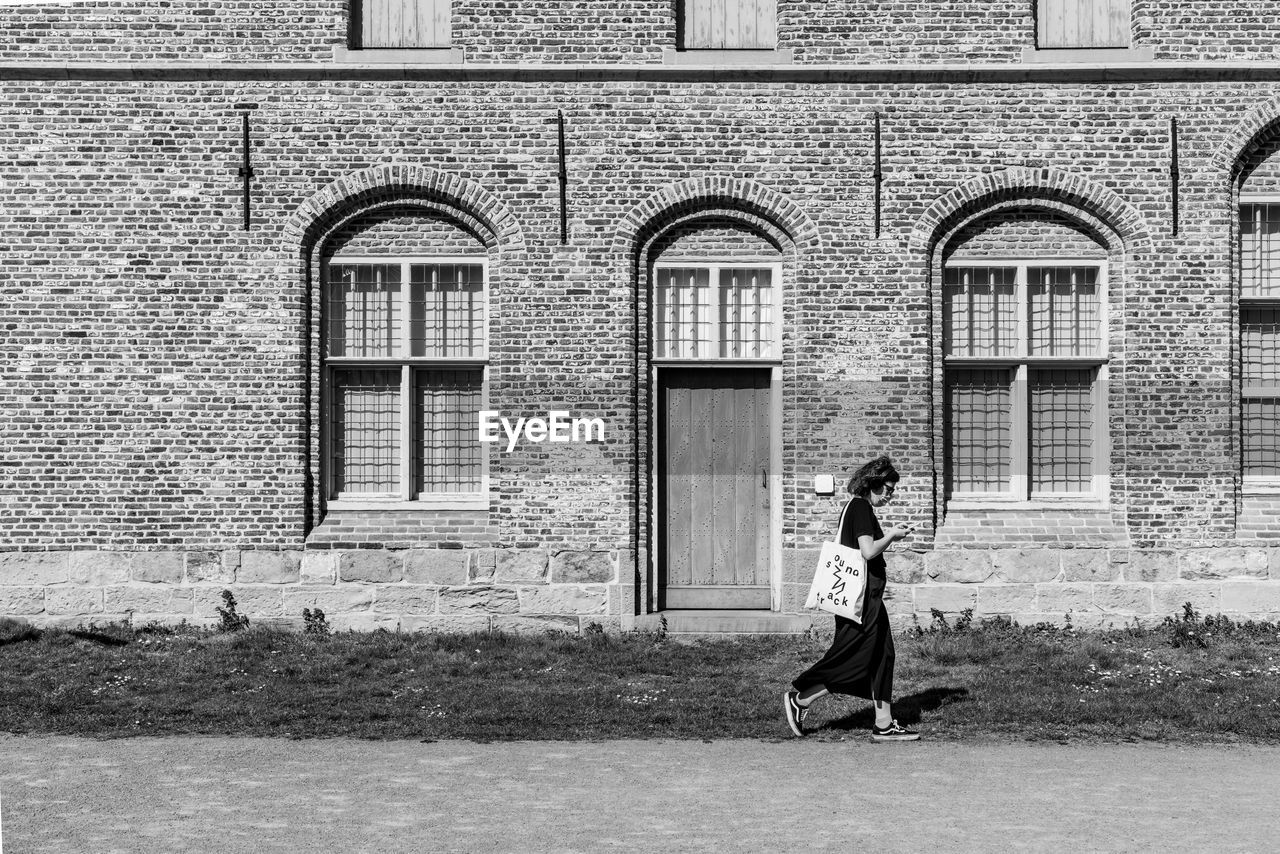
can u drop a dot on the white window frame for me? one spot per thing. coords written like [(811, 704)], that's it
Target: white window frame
[(1254, 484), (714, 269), (408, 364), (1019, 492)]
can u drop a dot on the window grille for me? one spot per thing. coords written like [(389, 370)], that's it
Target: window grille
[(1062, 452), (1261, 437), (1024, 345), (445, 408), (1065, 312), (1260, 387), (1084, 23), (366, 431), (980, 318), (402, 409), (746, 313), (735, 319), (1260, 250), (978, 407), (447, 303), (364, 310)]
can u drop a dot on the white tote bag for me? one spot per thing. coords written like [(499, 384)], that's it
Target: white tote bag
[(840, 581)]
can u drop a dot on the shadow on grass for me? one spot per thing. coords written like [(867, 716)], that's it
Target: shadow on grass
[(16, 631), (906, 709)]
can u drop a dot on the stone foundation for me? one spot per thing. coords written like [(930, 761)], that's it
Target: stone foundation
[(534, 590), (448, 590)]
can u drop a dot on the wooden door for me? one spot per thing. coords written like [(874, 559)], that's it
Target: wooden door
[(714, 457)]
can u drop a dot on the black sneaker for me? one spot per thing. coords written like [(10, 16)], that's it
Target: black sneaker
[(894, 732), (795, 712)]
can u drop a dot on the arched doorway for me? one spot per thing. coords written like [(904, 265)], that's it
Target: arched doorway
[(716, 306)]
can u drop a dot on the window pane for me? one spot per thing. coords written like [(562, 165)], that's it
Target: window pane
[(364, 310), (447, 310), (1062, 417), (746, 314), (1259, 340), (683, 313), (1262, 437), (1260, 250), (978, 410), (446, 408), (1066, 313), (366, 432), (980, 314)]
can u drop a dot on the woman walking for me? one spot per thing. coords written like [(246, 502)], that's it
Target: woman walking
[(860, 660)]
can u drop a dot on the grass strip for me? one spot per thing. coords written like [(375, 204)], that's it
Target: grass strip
[(1186, 680)]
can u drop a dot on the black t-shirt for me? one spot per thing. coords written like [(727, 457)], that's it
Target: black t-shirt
[(860, 520)]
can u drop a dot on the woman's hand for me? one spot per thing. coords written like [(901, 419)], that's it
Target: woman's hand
[(895, 533)]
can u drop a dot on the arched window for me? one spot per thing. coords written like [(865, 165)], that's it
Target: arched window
[(405, 354), (1025, 353), (1259, 254)]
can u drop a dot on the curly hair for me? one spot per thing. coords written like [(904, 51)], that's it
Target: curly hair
[(873, 476)]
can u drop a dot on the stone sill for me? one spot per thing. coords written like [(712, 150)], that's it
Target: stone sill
[(405, 56), (723, 58), (986, 505), (1093, 56), (477, 502)]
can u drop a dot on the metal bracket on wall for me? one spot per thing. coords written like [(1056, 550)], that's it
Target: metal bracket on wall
[(1174, 175), (564, 184), (246, 170), (878, 175)]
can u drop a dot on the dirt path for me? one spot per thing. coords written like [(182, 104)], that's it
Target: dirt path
[(256, 795)]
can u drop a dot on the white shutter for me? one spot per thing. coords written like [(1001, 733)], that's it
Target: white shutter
[(730, 24), (405, 23), (1084, 23)]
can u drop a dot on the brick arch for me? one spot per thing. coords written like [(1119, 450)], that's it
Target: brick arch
[(378, 188), (404, 184), (765, 229), (1094, 226), (749, 201), (1023, 186), (1101, 212), (1260, 126)]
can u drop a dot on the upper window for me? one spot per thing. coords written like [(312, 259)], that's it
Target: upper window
[(715, 311), (404, 375), (729, 24), (401, 23), (1083, 24), (1025, 357), (1260, 335)]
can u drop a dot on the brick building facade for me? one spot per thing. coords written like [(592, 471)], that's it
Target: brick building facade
[(1039, 277)]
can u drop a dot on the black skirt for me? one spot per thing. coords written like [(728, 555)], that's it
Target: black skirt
[(860, 660)]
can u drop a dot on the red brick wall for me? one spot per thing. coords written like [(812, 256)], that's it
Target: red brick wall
[(159, 364), (818, 32)]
